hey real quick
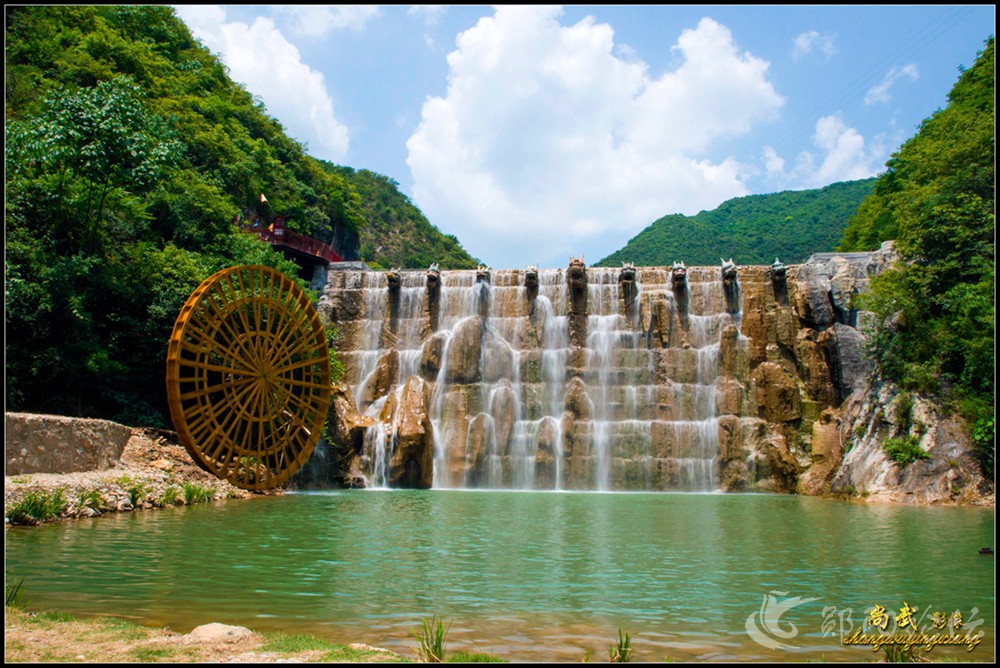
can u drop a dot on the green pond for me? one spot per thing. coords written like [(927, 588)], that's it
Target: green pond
[(532, 576)]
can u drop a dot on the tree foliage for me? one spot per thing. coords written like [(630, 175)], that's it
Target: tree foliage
[(790, 225), (129, 154), (396, 233), (937, 200)]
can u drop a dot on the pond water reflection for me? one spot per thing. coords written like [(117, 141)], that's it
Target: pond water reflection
[(528, 575)]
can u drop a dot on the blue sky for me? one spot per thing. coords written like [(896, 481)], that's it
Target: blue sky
[(533, 133)]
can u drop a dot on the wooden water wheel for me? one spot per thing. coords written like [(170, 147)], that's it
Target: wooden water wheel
[(248, 376)]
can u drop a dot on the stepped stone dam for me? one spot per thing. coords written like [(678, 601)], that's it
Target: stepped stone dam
[(678, 378)]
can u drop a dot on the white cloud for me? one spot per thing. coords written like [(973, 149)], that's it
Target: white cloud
[(259, 56), (845, 156), (773, 162), (813, 42), (320, 20), (842, 156), (548, 144), (430, 14), (880, 92)]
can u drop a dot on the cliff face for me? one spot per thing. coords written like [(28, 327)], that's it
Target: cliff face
[(682, 378)]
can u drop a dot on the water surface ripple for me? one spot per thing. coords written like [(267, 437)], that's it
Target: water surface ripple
[(529, 575)]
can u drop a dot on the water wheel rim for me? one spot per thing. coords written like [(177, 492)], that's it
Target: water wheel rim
[(248, 376)]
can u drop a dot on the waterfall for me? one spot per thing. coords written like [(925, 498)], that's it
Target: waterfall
[(527, 392)]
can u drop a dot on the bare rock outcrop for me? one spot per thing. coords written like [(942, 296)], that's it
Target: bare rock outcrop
[(57, 444), (621, 378), (412, 463)]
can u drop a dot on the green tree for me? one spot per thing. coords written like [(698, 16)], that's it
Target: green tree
[(935, 308), (129, 154), (84, 162)]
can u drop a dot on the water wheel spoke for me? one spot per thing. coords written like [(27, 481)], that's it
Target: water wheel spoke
[(248, 376), (292, 330), (301, 364), (211, 389), (218, 326)]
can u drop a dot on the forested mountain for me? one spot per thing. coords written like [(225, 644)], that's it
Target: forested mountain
[(396, 232), (789, 225), (935, 309), (129, 154)]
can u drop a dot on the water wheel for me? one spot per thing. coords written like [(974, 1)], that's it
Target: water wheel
[(248, 376)]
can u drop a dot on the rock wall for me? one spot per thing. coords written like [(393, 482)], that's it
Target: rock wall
[(56, 444), (729, 378)]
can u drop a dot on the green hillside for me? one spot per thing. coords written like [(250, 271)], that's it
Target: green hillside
[(396, 233), (790, 225), (935, 312)]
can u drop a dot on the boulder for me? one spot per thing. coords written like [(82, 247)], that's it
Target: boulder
[(464, 350), (827, 454), (776, 393), (382, 379), (215, 632), (412, 463), (432, 354), (812, 297), (58, 444)]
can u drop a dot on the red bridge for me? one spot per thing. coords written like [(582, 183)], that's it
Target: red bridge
[(299, 245)]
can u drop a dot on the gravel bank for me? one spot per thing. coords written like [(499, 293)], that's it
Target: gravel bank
[(154, 471)]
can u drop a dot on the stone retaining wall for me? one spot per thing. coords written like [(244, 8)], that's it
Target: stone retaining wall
[(57, 444)]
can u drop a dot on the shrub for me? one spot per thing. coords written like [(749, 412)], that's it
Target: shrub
[(905, 450), (983, 440)]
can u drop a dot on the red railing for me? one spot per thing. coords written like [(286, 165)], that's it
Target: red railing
[(276, 235)]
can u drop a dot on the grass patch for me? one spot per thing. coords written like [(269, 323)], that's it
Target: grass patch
[(195, 493), (475, 657), (294, 643), (171, 495), (137, 493), (60, 637), (46, 618), (120, 628), (622, 652), (90, 498), (905, 450), (430, 640), (151, 654), (281, 643), (344, 654), (36, 507), (900, 654)]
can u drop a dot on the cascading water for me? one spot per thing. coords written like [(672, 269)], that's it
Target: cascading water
[(528, 391)]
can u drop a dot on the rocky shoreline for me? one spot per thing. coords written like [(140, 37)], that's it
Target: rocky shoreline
[(154, 471)]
